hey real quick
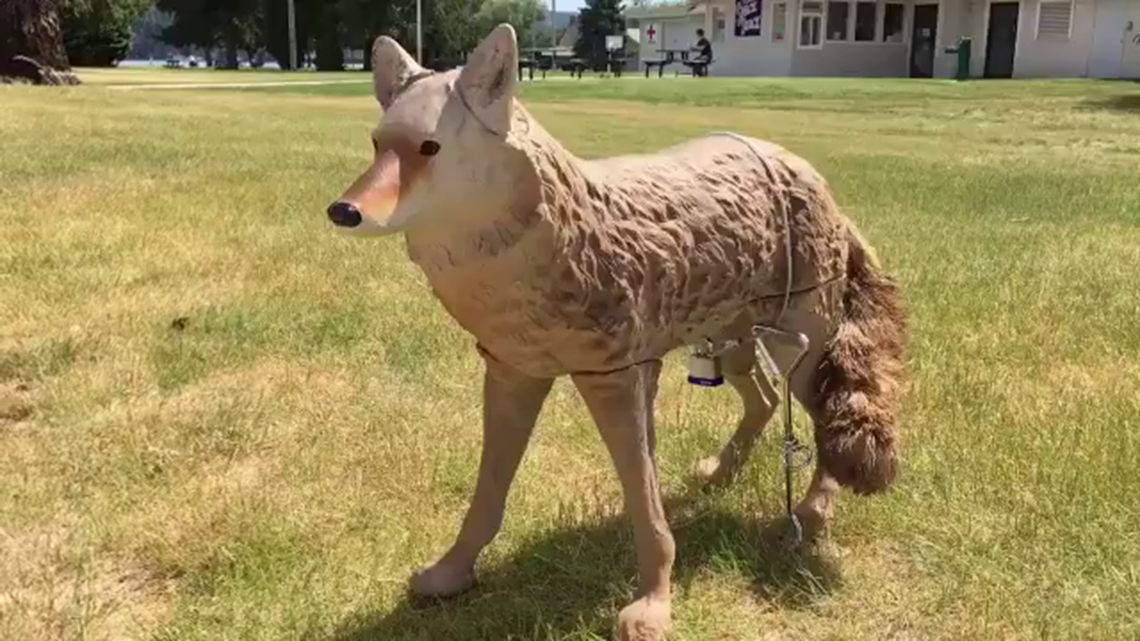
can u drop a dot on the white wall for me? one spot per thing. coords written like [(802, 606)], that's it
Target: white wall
[(673, 33), (1110, 48), (760, 55), (1049, 56), (957, 19), (753, 55), (850, 58), (1130, 60), (1053, 56), (1046, 57)]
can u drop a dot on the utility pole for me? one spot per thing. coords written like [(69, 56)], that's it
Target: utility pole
[(553, 28), (419, 32), (292, 37)]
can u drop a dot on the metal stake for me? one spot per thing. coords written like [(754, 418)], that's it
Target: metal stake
[(792, 446)]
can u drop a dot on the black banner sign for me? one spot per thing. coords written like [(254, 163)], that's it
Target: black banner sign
[(748, 18)]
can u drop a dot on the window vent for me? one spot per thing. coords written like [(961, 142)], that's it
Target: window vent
[(1054, 19)]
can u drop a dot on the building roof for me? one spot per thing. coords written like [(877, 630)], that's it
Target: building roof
[(671, 10), (570, 35)]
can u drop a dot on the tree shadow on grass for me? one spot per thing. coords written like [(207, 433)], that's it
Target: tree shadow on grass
[(1127, 103), (571, 583)]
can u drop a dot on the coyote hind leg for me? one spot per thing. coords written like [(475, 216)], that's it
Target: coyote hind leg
[(759, 399)]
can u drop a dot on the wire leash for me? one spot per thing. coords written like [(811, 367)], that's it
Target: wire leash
[(704, 370), (796, 455)]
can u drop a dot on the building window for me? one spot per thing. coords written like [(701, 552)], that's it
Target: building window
[(837, 12), (893, 22), (811, 25), (719, 24), (779, 21), (865, 14), (1054, 19)]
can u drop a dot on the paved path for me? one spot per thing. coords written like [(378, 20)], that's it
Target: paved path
[(237, 85)]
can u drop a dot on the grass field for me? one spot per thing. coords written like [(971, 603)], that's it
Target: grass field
[(219, 419)]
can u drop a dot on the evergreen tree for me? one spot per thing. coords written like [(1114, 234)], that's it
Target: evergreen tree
[(598, 19)]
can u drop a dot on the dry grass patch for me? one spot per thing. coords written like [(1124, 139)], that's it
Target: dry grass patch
[(53, 587)]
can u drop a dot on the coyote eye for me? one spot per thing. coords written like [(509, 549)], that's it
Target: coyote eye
[(429, 148)]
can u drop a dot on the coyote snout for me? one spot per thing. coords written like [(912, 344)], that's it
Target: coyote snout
[(370, 205)]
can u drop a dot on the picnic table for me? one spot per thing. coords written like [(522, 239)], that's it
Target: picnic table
[(529, 64), (612, 62), (541, 59), (669, 57)]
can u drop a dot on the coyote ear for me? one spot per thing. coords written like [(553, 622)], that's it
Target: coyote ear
[(487, 82), (391, 67)]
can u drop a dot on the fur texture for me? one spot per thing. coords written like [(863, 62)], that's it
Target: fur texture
[(857, 380)]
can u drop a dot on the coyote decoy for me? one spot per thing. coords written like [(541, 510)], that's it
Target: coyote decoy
[(597, 269)]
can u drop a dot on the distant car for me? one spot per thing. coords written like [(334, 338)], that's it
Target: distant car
[(193, 61)]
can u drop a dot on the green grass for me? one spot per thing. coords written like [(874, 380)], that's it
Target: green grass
[(160, 75), (221, 420)]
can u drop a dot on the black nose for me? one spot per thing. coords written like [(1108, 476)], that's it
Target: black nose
[(344, 214)]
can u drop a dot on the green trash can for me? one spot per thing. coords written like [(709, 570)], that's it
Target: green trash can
[(962, 48)]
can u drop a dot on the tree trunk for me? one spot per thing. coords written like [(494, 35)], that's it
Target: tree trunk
[(231, 59), (31, 43)]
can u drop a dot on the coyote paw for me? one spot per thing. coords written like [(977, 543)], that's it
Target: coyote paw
[(646, 619), (711, 474), (442, 579), (813, 519)]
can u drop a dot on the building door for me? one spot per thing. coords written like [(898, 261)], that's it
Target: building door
[(1001, 40), (924, 39), (1110, 24)]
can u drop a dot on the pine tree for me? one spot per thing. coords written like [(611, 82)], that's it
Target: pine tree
[(598, 19)]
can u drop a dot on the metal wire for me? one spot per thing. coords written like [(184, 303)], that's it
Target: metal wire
[(792, 446)]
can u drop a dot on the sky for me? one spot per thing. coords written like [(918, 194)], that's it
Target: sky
[(566, 5)]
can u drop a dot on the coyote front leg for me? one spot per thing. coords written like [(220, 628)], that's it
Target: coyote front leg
[(621, 404), (511, 404)]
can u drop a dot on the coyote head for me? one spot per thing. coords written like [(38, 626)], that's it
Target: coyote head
[(441, 150)]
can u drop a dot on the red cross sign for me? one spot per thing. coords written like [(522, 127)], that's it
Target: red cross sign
[(652, 33)]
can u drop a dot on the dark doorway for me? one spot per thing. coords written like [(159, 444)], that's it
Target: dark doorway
[(1001, 40), (924, 35)]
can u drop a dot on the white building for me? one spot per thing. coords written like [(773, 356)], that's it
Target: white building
[(1014, 38)]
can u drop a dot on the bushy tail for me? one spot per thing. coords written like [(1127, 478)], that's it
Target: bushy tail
[(858, 381)]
